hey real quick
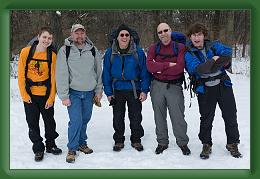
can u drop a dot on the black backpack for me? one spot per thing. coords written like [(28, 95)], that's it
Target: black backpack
[(47, 82)]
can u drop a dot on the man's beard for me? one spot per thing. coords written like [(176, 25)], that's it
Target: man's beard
[(79, 41), (165, 40)]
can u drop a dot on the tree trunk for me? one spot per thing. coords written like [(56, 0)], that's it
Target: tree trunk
[(216, 25)]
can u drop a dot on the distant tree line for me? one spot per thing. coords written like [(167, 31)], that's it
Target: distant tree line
[(230, 26)]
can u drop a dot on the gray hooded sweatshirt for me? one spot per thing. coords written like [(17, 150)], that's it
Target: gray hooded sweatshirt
[(81, 72)]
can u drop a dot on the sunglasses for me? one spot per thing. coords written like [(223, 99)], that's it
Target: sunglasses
[(122, 35), (165, 30)]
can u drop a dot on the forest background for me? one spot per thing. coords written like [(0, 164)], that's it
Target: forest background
[(232, 27)]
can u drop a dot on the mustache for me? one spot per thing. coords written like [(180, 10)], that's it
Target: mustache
[(79, 38)]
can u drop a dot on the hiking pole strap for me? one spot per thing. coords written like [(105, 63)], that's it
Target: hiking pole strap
[(134, 89)]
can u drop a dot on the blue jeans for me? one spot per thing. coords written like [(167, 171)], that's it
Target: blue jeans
[(80, 112)]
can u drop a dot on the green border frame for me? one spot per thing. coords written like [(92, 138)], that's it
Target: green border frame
[(6, 5)]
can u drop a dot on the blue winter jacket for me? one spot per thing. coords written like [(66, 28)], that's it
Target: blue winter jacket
[(213, 48), (118, 71)]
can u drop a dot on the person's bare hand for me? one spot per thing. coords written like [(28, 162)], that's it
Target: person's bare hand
[(171, 64), (66, 102)]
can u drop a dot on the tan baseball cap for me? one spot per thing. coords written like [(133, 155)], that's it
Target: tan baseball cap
[(76, 27)]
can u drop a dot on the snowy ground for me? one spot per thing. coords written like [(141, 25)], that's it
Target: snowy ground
[(100, 133)]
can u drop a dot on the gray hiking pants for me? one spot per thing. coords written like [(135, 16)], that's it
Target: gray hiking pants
[(173, 99)]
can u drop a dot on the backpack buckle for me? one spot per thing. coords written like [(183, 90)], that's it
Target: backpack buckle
[(40, 83)]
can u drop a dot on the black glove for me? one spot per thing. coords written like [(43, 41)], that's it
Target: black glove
[(205, 67), (112, 101), (221, 62)]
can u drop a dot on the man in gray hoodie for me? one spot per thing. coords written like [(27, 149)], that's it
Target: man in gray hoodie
[(79, 80)]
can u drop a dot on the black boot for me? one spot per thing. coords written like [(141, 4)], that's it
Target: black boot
[(206, 150), (54, 150), (118, 146), (138, 146), (185, 150), (233, 149), (38, 156), (160, 148)]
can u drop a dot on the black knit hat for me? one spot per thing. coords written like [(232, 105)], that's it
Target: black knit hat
[(123, 27)]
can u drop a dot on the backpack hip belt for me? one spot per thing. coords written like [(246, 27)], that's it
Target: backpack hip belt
[(221, 77), (175, 81), (169, 82), (37, 83)]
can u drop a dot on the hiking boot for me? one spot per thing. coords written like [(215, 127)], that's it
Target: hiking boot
[(118, 146), (160, 148), (54, 150), (84, 148), (185, 150), (38, 156), (206, 150), (233, 149), (138, 146), (71, 156)]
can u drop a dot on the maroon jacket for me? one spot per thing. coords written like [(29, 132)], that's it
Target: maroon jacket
[(160, 67)]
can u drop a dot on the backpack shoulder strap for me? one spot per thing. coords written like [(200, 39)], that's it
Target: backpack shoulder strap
[(29, 57), (157, 49), (137, 57), (195, 54), (49, 60), (175, 48), (213, 50), (67, 50), (111, 56), (93, 51)]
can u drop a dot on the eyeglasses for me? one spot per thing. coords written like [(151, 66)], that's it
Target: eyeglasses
[(122, 35), (165, 30), (199, 34)]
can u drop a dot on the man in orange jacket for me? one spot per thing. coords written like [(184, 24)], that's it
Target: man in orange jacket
[(36, 70)]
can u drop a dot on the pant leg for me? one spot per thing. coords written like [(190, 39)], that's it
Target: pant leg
[(119, 117), (49, 122), (135, 117), (87, 106), (32, 113), (228, 108), (160, 111), (207, 106), (175, 104), (75, 123)]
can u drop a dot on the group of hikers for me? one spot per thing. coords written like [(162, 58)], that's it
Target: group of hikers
[(80, 74)]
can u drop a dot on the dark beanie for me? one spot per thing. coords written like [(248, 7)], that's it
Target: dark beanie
[(123, 27)]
